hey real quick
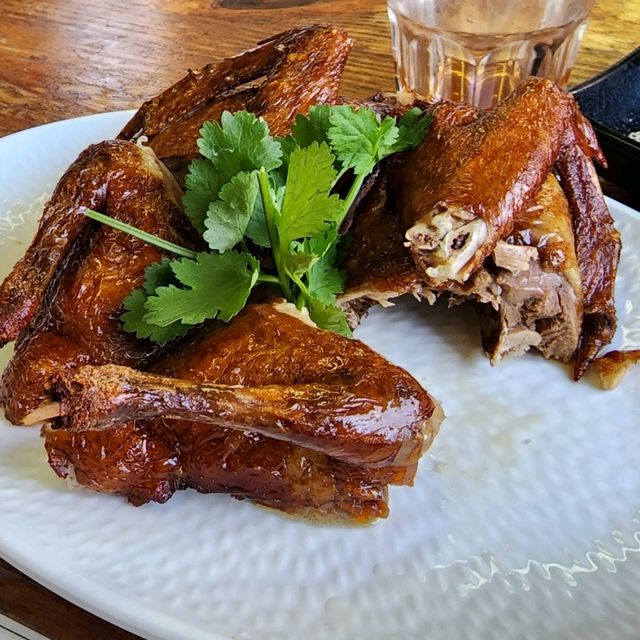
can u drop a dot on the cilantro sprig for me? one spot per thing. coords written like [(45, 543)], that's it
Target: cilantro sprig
[(269, 211)]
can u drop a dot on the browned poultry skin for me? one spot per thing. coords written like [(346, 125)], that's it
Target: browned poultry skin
[(149, 463), (495, 164), (125, 460), (297, 69), (79, 301), (612, 367), (458, 192), (598, 248), (360, 410), (178, 138), (377, 265), (262, 346)]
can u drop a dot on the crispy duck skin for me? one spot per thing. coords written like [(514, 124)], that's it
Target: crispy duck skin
[(348, 401), (150, 462), (458, 192), (264, 345), (111, 178), (359, 425), (598, 248), (613, 366), (377, 265), (536, 270), (69, 312), (297, 69)]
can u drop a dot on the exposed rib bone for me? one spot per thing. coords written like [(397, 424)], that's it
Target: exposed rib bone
[(46, 411)]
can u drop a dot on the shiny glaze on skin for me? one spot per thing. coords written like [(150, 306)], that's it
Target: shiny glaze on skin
[(78, 318), (349, 403), (299, 68), (492, 164), (261, 346), (377, 264), (598, 248), (150, 462)]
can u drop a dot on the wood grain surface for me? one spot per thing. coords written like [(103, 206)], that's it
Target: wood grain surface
[(66, 58)]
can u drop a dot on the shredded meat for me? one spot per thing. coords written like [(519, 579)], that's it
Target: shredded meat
[(540, 291)]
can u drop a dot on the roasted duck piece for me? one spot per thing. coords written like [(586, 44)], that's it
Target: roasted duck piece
[(378, 267), (458, 192), (598, 249), (281, 77), (112, 177), (358, 423), (150, 464), (268, 347), (64, 297), (536, 272), (612, 367), (459, 214)]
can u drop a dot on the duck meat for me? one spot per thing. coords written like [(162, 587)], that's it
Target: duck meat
[(536, 271), (63, 299), (281, 77), (458, 192), (260, 359)]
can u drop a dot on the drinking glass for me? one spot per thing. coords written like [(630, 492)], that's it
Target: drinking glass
[(477, 51)]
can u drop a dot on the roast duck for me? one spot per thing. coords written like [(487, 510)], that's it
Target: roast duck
[(500, 208)]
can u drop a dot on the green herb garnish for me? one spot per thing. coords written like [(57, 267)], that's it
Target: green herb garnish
[(251, 191)]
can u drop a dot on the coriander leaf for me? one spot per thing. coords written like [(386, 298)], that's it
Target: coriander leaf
[(228, 217), (202, 186), (387, 137), (240, 142), (320, 245), (329, 317), (157, 275), (277, 183), (134, 322), (325, 280), (412, 128), (217, 285), (299, 261), (358, 136), (308, 208), (313, 127), (306, 129), (287, 146), (133, 318), (257, 226)]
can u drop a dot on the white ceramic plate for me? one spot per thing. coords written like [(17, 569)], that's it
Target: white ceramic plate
[(523, 522)]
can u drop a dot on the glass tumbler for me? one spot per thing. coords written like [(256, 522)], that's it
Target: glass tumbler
[(477, 51)]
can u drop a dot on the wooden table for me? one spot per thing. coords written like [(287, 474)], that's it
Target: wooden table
[(66, 58)]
